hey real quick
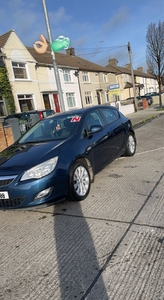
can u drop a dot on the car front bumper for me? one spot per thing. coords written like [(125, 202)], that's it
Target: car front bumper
[(22, 194)]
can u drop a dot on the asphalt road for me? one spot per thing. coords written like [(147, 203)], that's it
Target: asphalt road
[(110, 246)]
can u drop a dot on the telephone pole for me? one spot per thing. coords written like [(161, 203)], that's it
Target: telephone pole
[(132, 74), (56, 71)]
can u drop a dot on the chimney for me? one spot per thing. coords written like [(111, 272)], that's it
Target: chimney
[(113, 62), (149, 72), (128, 66), (140, 69), (70, 51)]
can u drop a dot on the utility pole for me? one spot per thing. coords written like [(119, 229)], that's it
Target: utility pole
[(132, 74), (56, 71)]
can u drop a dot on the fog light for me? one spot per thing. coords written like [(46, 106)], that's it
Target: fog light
[(42, 194)]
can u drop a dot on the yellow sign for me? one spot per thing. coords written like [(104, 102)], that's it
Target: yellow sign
[(114, 92)]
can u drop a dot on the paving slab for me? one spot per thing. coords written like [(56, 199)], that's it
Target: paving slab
[(135, 271), (53, 257)]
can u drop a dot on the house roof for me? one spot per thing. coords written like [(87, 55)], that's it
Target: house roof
[(74, 61), (122, 70), (66, 60), (4, 37), (129, 85)]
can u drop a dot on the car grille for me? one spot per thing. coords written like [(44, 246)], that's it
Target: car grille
[(5, 180), (11, 203)]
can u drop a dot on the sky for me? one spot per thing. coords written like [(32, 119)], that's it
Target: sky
[(98, 30)]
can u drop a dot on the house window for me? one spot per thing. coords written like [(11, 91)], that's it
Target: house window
[(19, 70), (107, 96), (88, 97), (3, 111), (26, 102), (67, 75), (85, 76), (104, 77), (70, 99)]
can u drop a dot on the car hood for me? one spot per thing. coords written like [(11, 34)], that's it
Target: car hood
[(20, 157)]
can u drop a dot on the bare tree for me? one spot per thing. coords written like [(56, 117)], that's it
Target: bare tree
[(155, 52)]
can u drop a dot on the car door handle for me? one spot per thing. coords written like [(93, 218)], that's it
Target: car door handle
[(104, 137)]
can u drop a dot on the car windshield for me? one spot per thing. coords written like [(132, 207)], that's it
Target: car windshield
[(56, 128)]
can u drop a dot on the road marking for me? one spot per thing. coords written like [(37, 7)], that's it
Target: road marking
[(148, 151)]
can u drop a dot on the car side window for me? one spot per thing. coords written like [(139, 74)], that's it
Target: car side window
[(109, 115), (93, 118), (83, 132), (117, 113)]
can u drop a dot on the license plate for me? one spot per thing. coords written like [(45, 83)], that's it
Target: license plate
[(4, 195)]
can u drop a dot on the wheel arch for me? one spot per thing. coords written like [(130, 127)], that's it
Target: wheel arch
[(86, 161)]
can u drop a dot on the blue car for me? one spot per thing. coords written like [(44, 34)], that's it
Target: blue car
[(59, 156)]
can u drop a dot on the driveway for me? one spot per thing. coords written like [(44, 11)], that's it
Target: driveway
[(110, 246)]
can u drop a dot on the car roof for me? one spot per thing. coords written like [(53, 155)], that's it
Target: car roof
[(86, 109)]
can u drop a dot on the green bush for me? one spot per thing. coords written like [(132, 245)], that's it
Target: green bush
[(6, 91)]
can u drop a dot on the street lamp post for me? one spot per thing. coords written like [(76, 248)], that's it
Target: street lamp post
[(56, 71)]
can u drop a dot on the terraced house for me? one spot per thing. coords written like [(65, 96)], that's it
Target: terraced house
[(83, 83), (144, 82), (32, 79)]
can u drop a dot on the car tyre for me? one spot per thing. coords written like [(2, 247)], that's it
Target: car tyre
[(131, 146), (79, 182)]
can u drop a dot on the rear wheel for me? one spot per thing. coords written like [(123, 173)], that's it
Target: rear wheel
[(79, 182), (131, 146)]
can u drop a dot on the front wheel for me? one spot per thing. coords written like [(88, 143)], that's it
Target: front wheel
[(79, 182), (131, 146)]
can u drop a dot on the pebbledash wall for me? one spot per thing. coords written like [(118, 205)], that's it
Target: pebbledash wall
[(6, 137)]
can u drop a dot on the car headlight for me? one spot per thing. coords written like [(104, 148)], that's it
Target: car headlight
[(40, 170)]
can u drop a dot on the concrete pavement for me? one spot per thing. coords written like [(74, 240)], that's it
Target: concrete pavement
[(144, 115), (108, 247)]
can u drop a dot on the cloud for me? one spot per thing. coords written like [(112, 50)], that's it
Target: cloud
[(59, 16), (120, 18), (81, 41)]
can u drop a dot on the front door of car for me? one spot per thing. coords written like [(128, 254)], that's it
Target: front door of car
[(116, 138), (115, 131), (98, 143)]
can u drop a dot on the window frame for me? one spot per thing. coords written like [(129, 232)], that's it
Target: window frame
[(25, 97), (88, 98), (85, 76), (67, 75), (68, 95), (19, 67)]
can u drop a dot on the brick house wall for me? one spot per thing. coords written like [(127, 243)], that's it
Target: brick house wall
[(6, 137)]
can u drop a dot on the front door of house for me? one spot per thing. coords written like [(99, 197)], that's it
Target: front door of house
[(56, 102), (46, 101)]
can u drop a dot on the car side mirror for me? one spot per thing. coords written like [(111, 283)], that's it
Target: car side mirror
[(95, 128)]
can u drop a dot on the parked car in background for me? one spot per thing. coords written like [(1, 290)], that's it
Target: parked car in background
[(27, 114), (130, 100), (139, 99), (148, 98), (27, 119), (152, 94), (59, 156)]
